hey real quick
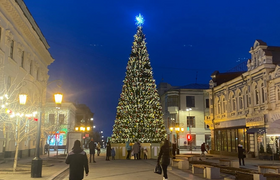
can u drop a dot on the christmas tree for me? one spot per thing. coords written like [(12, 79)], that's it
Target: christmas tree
[(139, 112)]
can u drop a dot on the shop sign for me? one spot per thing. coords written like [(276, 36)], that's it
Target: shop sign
[(231, 123), (255, 121)]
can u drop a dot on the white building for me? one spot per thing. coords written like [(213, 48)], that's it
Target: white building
[(24, 61), (58, 122), (244, 106), (175, 102)]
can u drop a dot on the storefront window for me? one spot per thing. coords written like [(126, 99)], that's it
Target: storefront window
[(229, 139), (224, 140), (233, 140), (218, 140)]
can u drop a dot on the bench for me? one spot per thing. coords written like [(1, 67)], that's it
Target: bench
[(265, 169), (175, 162), (209, 172), (229, 163), (184, 165)]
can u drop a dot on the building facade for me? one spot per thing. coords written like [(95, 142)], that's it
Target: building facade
[(24, 61), (58, 122), (186, 107), (244, 105)]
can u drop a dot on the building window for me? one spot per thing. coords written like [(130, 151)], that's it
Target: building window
[(206, 126), (12, 49), (172, 100), (219, 107), (190, 101), (61, 118), (233, 103), (22, 59), (207, 103), (262, 91), (51, 119), (240, 101), (30, 70), (278, 93), (224, 106), (9, 82), (256, 95), (37, 74), (0, 33), (191, 121), (247, 99)]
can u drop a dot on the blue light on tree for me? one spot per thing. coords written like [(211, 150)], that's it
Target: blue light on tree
[(139, 20)]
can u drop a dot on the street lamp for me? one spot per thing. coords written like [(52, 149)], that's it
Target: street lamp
[(36, 164), (22, 99), (177, 130)]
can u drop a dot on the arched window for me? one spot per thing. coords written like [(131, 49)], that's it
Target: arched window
[(240, 99), (262, 91), (219, 107), (247, 98), (278, 93), (233, 103), (256, 95), (224, 106)]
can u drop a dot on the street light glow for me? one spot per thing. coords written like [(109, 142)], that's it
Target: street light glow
[(93, 126), (91, 119), (101, 131)]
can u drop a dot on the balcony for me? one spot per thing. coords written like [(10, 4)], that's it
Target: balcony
[(173, 109)]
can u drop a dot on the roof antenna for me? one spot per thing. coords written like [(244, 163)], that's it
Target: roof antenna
[(196, 77)]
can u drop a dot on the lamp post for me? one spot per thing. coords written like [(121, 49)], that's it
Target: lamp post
[(83, 129), (177, 130)]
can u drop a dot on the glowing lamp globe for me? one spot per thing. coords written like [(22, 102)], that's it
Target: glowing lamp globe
[(22, 99), (58, 98)]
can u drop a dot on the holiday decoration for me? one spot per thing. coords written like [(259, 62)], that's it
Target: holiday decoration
[(139, 113)]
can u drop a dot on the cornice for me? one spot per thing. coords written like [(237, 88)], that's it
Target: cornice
[(27, 31)]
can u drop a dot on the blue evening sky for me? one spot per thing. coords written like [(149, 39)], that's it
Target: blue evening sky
[(91, 41)]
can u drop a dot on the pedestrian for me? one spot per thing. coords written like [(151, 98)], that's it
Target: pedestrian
[(164, 157), (173, 150), (92, 147), (113, 153), (241, 154), (139, 153), (145, 153), (108, 151), (203, 149), (128, 149), (135, 150), (77, 159), (98, 149)]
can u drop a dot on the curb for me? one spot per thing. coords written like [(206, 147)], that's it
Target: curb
[(57, 174)]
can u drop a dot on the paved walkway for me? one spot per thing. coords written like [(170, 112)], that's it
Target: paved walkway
[(131, 170)]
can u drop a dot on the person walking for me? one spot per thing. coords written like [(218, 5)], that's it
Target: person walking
[(113, 153), (128, 149), (203, 149), (77, 159), (135, 149), (108, 151), (145, 153), (98, 149), (164, 158), (139, 153), (92, 147), (241, 154)]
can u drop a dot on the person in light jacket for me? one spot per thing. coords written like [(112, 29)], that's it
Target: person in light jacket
[(164, 158), (77, 159), (128, 149)]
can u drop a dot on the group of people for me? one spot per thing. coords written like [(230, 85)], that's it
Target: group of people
[(135, 149)]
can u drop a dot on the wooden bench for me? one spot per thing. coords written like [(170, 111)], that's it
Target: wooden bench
[(229, 163), (209, 172), (184, 165), (265, 169)]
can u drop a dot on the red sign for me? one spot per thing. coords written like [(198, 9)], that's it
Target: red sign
[(87, 135)]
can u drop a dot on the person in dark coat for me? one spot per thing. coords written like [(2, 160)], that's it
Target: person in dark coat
[(108, 150), (164, 157), (203, 149), (241, 154), (77, 159), (92, 147)]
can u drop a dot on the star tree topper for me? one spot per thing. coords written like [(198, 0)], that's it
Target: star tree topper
[(139, 20)]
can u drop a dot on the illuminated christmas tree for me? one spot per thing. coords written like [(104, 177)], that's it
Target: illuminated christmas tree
[(139, 112)]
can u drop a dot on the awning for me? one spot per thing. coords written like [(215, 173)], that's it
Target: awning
[(256, 130)]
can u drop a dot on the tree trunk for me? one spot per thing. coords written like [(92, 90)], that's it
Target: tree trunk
[(16, 153)]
